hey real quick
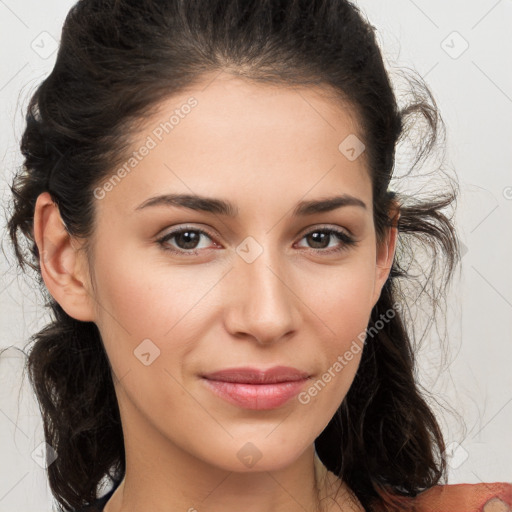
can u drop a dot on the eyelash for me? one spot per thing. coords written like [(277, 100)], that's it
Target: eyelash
[(347, 240)]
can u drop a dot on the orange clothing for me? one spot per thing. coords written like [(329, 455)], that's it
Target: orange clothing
[(482, 497)]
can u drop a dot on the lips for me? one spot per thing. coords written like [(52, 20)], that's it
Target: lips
[(252, 388), (248, 375)]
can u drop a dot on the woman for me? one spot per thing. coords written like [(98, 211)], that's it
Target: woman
[(206, 192)]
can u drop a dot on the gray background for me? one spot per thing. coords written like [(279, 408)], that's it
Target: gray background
[(473, 89)]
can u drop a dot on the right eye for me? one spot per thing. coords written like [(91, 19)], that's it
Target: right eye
[(186, 237)]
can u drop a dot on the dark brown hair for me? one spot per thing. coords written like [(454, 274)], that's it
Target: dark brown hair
[(117, 60)]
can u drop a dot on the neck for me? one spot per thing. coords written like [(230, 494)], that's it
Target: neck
[(270, 491)]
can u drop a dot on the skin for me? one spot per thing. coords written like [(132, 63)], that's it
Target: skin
[(264, 148)]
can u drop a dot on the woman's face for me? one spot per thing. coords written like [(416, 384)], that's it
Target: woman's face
[(260, 285)]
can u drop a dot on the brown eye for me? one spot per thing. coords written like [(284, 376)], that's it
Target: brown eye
[(320, 238), (186, 240)]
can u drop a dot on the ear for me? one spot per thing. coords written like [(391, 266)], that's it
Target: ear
[(385, 254), (63, 266)]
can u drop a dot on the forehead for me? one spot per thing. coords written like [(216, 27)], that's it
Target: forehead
[(227, 133), (225, 104)]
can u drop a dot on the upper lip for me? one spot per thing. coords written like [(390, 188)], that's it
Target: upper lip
[(247, 375)]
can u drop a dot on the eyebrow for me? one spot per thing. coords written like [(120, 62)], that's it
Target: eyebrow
[(223, 207)]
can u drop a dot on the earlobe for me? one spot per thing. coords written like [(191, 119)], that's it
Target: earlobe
[(60, 261)]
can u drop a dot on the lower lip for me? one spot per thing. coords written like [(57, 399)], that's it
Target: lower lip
[(256, 396)]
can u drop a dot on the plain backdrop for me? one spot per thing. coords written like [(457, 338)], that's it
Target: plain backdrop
[(462, 49)]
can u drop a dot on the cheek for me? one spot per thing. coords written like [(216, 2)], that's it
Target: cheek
[(342, 307), (148, 299), (341, 297), (341, 355), (150, 317)]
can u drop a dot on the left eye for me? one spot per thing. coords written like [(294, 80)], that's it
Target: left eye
[(319, 236), (186, 240)]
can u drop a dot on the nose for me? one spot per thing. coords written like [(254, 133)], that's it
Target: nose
[(262, 304)]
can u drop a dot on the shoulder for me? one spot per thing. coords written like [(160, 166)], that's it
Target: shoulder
[(482, 497)]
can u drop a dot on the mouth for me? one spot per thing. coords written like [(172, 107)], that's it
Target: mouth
[(255, 389), (247, 375)]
